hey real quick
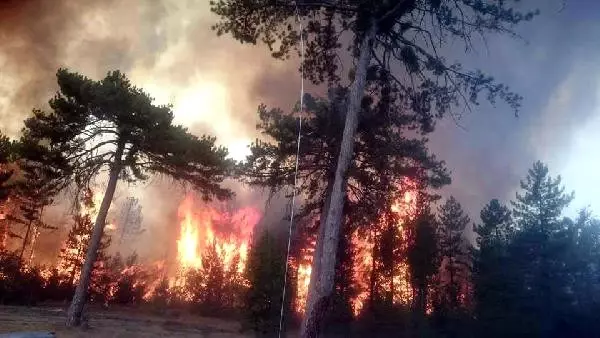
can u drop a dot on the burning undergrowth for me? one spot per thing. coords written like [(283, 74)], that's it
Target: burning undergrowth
[(205, 268), (207, 265)]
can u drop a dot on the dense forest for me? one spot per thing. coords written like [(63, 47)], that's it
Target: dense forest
[(528, 271), (376, 247)]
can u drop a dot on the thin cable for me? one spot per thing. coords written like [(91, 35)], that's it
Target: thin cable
[(287, 256)]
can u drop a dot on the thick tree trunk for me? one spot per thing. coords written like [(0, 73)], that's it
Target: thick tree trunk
[(79, 298), (322, 278)]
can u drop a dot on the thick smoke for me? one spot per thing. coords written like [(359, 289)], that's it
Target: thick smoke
[(215, 84), (165, 47)]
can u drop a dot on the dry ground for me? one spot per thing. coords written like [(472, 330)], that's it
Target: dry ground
[(116, 323)]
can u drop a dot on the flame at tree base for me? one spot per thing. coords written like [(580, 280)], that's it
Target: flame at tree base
[(362, 247)]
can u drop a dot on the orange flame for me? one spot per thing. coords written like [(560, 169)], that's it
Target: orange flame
[(200, 229), (303, 271), (362, 246)]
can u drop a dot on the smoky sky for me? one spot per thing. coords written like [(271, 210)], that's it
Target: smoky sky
[(216, 84), (554, 66)]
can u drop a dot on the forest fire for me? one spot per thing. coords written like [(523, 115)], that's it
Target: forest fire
[(303, 270), (363, 244), (227, 234)]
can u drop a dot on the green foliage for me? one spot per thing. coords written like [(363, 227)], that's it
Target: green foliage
[(542, 201), (496, 224), (537, 277), (92, 122), (410, 33), (216, 288), (383, 156), (18, 286), (265, 274)]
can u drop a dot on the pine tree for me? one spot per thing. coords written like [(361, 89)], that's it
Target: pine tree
[(264, 273), (423, 256), (496, 226), (112, 125), (542, 201), (537, 250), (72, 254), (386, 33), (493, 278), (6, 155), (374, 185), (454, 273)]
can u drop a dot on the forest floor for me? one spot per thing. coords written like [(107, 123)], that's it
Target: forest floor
[(116, 323)]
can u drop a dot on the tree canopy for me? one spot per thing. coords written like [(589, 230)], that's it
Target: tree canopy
[(90, 121), (409, 44), (110, 124)]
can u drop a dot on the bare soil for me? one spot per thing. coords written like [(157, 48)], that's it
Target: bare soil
[(116, 323)]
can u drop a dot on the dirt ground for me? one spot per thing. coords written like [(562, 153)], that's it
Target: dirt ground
[(116, 323)]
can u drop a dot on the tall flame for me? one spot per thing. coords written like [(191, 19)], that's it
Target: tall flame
[(228, 233), (188, 251), (362, 264)]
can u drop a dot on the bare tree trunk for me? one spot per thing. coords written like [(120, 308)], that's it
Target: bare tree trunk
[(76, 308), (322, 278), (25, 242)]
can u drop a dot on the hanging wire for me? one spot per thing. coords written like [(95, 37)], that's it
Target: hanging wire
[(287, 256)]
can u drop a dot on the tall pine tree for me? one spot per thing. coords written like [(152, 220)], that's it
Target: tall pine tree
[(408, 34), (492, 275), (537, 250), (265, 272), (111, 125), (454, 272), (423, 256)]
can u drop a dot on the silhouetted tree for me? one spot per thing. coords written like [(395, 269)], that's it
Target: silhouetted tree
[(6, 154), (423, 256), (455, 265), (384, 158), (538, 248), (111, 124), (492, 273), (264, 272)]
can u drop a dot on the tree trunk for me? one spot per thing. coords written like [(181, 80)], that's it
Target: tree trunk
[(322, 278), (373, 273), (76, 308), (25, 242)]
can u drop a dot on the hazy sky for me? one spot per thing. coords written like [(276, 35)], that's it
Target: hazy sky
[(215, 84)]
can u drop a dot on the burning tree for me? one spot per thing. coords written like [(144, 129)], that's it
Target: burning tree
[(33, 189), (386, 168), (405, 40), (111, 125), (212, 253)]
